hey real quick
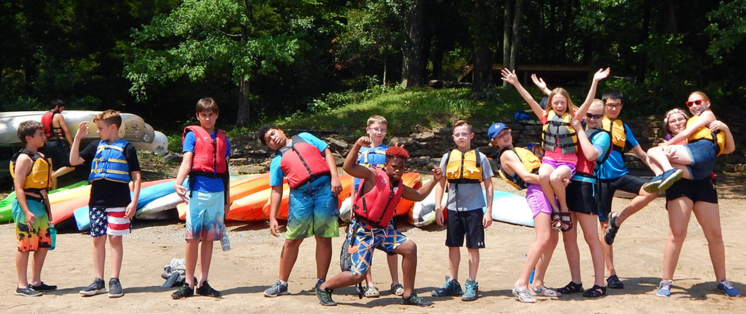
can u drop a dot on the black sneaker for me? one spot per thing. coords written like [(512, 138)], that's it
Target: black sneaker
[(208, 291), (27, 292), (325, 297), (414, 299), (42, 287), (184, 292), (97, 287), (115, 288), (613, 282), (611, 230)]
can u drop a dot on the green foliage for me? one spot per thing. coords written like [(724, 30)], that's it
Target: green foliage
[(174, 142), (732, 31)]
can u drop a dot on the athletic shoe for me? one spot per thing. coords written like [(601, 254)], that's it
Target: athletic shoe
[(277, 289), (184, 292), (372, 292), (42, 287), (397, 289), (472, 291), (325, 297), (611, 230), (669, 177), (97, 287), (613, 282), (115, 288), (414, 299), (664, 288), (726, 286), (451, 288), (27, 292), (653, 185), (318, 283), (208, 291)]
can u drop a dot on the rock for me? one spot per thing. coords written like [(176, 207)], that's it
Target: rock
[(173, 157), (423, 136), (337, 144)]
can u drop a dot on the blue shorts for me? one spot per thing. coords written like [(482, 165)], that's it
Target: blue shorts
[(205, 215), (313, 210), (703, 156), (366, 239)]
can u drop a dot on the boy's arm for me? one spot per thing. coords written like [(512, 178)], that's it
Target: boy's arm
[(186, 166), (511, 78), (83, 131), (136, 182), (350, 165), (705, 119), (227, 192), (487, 219), (47, 205), (336, 184), (600, 75), (22, 166), (419, 195), (274, 206), (438, 199)]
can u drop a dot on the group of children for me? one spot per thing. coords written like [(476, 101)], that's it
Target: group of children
[(307, 165)]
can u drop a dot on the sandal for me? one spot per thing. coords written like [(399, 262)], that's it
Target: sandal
[(571, 288), (556, 220), (545, 292), (372, 292), (595, 292), (566, 223), (523, 295)]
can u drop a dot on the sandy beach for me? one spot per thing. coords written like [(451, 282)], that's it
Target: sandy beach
[(244, 272)]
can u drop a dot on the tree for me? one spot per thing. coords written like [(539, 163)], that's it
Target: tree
[(238, 38), (412, 75)]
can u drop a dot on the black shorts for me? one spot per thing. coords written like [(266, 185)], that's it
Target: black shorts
[(59, 152), (698, 191), (607, 188), (468, 223), (581, 197)]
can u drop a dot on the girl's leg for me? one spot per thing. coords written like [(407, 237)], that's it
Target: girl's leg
[(557, 179), (590, 234), (543, 229), (570, 240), (546, 257), (679, 213), (545, 172), (708, 216)]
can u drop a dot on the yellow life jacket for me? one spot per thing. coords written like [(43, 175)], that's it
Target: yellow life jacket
[(704, 132), (40, 176), (463, 167), (528, 159), (558, 132), (616, 130)]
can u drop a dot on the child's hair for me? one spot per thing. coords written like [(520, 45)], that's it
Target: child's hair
[(28, 128), (612, 94), (377, 119), (56, 103), (396, 152), (599, 103), (207, 104), (701, 94), (109, 117), (459, 123), (562, 92), (263, 130)]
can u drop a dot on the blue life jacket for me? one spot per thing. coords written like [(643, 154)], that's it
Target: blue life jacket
[(110, 163)]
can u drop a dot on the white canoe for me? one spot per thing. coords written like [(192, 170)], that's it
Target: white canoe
[(157, 208), (159, 145)]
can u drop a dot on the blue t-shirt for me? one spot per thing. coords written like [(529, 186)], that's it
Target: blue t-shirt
[(614, 166), (205, 184), (601, 141), (368, 156), (276, 174)]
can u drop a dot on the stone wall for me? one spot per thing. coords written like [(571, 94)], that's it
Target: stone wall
[(428, 146)]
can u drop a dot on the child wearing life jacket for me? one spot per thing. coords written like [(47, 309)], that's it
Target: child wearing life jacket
[(466, 170), (694, 160), (206, 151), (380, 193), (113, 164), (32, 177), (560, 141), (374, 155), (308, 165)]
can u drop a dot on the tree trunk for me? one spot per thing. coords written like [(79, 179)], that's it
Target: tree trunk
[(411, 59), (482, 55), (243, 104), (507, 18), (516, 46)]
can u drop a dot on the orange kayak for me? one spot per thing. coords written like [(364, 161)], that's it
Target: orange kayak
[(282, 213), (412, 180)]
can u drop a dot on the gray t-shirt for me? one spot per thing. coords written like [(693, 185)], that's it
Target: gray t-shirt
[(467, 196)]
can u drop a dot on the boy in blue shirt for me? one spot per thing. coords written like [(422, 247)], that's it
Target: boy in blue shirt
[(206, 151)]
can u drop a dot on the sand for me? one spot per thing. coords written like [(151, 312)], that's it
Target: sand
[(244, 272)]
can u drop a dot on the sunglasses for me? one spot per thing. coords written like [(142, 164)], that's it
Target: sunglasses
[(594, 116), (696, 102)]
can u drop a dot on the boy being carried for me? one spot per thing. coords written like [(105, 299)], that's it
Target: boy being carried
[(113, 163)]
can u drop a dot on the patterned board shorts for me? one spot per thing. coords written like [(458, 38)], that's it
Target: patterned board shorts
[(313, 213), (366, 239), (36, 236), (108, 221), (204, 219)]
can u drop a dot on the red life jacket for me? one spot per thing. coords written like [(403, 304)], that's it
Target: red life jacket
[(209, 154), (378, 205), (302, 162), (49, 130), (586, 167)]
